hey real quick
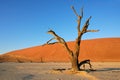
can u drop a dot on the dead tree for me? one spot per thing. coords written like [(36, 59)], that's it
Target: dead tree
[(73, 55)]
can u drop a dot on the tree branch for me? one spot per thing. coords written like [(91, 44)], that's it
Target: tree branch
[(92, 30), (85, 27), (79, 17), (74, 11), (82, 12), (61, 40), (50, 40), (78, 40)]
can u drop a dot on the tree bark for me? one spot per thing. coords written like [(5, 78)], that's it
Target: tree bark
[(74, 63)]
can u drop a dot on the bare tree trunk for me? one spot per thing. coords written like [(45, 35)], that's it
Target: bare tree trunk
[(74, 63)]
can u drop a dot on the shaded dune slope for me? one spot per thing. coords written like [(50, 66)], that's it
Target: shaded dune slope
[(104, 49)]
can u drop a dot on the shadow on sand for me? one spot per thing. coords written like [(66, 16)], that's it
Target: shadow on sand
[(93, 70), (28, 77), (109, 69), (102, 69)]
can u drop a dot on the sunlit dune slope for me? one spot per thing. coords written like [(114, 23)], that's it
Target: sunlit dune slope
[(104, 49)]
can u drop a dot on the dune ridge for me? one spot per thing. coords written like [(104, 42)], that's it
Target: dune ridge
[(103, 49)]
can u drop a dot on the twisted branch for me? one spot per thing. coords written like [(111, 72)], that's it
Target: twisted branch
[(60, 40)]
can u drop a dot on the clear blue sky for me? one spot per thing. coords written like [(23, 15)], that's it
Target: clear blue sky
[(24, 23)]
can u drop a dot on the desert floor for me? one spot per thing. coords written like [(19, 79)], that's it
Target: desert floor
[(55, 71)]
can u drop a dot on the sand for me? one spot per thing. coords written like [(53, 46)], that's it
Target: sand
[(105, 49), (47, 71)]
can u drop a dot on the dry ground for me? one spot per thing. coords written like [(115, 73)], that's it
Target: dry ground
[(46, 71)]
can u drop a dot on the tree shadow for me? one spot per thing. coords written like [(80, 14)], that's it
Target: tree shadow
[(70, 69), (108, 69), (92, 70), (101, 70), (62, 69), (28, 77), (104, 70)]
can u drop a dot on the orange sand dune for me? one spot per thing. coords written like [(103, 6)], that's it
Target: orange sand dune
[(104, 49)]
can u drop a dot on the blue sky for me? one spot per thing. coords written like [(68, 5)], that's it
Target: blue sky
[(24, 23)]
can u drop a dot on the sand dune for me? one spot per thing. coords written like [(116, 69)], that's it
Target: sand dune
[(104, 49)]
